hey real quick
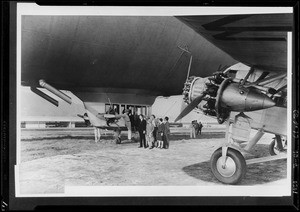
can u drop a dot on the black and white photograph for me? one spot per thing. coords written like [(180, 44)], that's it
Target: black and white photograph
[(153, 101)]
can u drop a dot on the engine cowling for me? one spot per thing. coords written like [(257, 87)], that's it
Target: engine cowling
[(221, 95), (242, 99)]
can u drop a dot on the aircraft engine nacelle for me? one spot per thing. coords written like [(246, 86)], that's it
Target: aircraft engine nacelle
[(219, 95), (242, 99)]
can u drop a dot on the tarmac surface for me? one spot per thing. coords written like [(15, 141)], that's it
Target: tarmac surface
[(53, 159)]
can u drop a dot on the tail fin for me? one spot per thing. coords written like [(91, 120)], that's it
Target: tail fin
[(93, 116)]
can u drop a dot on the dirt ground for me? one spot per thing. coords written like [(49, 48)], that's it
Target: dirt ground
[(53, 159)]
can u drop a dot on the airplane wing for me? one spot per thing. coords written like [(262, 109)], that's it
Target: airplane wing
[(258, 41), (255, 40)]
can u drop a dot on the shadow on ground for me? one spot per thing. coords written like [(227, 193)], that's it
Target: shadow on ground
[(204, 135), (259, 173)]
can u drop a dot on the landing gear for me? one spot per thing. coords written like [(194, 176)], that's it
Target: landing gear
[(117, 136), (230, 171), (227, 163), (278, 145), (135, 137), (118, 140)]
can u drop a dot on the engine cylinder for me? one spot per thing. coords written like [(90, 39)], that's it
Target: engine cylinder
[(198, 87)]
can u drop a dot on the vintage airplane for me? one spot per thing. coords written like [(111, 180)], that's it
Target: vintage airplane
[(105, 121), (246, 97), (91, 56), (109, 120)]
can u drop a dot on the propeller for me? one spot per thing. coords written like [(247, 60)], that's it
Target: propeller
[(190, 107)]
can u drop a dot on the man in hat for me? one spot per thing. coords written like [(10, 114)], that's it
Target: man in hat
[(142, 131), (167, 132)]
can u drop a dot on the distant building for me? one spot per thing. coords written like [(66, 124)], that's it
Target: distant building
[(51, 121)]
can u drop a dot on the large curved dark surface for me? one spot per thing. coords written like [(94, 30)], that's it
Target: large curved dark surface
[(258, 40), (81, 52)]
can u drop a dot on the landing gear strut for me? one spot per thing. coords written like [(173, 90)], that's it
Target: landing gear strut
[(229, 169), (227, 163), (117, 136)]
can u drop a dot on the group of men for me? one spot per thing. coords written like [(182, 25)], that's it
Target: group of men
[(154, 132), (196, 128)]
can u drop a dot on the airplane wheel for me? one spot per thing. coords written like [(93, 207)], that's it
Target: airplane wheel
[(235, 167), (274, 150), (118, 140)]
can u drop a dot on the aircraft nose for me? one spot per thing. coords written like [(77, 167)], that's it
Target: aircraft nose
[(256, 100), (268, 102)]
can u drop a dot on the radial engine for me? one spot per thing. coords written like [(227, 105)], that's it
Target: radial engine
[(219, 94)]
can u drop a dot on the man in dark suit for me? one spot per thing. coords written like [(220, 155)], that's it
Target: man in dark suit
[(142, 131), (136, 121), (167, 132), (161, 132), (199, 129)]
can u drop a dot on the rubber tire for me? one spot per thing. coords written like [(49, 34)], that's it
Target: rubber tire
[(271, 147), (240, 163), (118, 141)]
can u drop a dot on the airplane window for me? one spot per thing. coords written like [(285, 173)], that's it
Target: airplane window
[(122, 109), (135, 109), (117, 108)]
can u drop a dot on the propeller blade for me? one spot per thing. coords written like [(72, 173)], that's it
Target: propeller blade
[(190, 107)]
